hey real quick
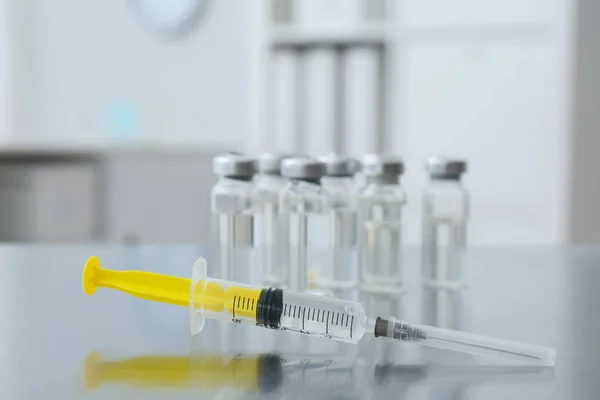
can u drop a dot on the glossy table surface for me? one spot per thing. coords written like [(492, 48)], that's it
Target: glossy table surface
[(57, 343)]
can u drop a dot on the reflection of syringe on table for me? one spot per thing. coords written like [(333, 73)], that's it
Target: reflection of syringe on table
[(315, 374), (329, 318), (211, 371)]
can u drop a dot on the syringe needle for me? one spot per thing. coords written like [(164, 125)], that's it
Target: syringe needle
[(464, 342)]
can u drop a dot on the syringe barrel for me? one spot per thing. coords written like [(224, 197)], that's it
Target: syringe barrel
[(274, 308), (341, 320)]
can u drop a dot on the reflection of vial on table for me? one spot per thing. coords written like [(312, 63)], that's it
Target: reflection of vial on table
[(445, 212), (268, 185), (339, 183), (233, 216), (303, 205)]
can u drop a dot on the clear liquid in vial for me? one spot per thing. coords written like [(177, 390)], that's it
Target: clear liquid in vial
[(343, 273), (306, 250), (444, 243), (381, 246), (235, 241), (268, 229)]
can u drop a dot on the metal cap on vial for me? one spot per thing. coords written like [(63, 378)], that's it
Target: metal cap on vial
[(270, 163), (445, 167), (386, 168), (305, 168), (339, 166), (235, 165)]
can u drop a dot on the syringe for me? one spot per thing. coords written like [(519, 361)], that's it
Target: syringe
[(329, 318)]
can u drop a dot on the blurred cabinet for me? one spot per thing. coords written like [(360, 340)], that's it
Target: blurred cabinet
[(131, 197), (159, 198), (49, 202)]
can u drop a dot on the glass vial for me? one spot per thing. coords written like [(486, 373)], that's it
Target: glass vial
[(380, 220), (233, 214), (343, 215), (303, 205), (268, 185), (445, 212)]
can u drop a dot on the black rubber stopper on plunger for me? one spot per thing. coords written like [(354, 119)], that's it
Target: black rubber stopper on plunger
[(270, 307)]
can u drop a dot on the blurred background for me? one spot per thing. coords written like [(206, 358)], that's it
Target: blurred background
[(111, 111)]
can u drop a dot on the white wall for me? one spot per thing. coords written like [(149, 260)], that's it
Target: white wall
[(93, 57)]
